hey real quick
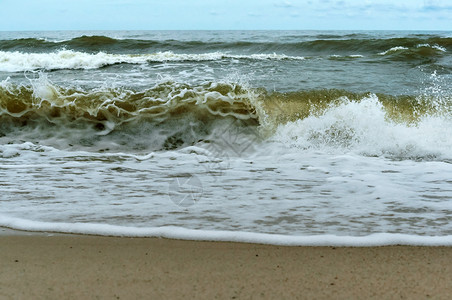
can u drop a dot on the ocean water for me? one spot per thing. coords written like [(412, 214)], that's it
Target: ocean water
[(280, 137)]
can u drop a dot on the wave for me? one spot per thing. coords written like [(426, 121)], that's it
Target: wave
[(91, 52), (366, 127), (172, 115), (68, 59), (372, 46), (168, 116), (327, 45), (421, 51)]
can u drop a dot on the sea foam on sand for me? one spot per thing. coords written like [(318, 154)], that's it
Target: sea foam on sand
[(171, 232)]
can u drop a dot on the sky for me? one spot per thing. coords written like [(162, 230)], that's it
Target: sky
[(225, 14)]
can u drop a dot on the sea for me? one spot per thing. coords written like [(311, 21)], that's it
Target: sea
[(274, 137)]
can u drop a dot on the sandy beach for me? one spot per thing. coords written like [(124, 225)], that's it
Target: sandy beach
[(91, 267)]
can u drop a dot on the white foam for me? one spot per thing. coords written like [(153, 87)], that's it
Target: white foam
[(68, 59), (64, 59), (437, 47), (363, 127), (393, 49), (347, 56), (399, 48), (301, 193), (172, 232)]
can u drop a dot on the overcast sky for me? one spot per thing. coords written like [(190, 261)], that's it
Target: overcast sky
[(225, 14)]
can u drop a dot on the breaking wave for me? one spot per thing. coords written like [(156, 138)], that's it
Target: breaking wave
[(365, 127), (172, 115), (68, 59), (89, 52)]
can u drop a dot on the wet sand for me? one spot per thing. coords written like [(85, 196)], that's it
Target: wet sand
[(77, 267)]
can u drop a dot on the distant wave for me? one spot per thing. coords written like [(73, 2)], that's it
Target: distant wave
[(420, 51), (68, 59), (324, 44), (393, 49)]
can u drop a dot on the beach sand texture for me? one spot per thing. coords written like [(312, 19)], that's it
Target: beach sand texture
[(91, 267)]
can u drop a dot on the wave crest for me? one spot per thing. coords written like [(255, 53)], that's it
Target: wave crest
[(168, 115), (173, 115), (364, 127), (418, 52), (322, 43), (68, 59)]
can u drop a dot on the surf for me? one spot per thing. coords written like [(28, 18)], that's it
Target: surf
[(173, 115)]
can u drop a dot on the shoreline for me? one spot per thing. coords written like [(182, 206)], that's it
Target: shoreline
[(5, 231), (185, 234), (53, 266)]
